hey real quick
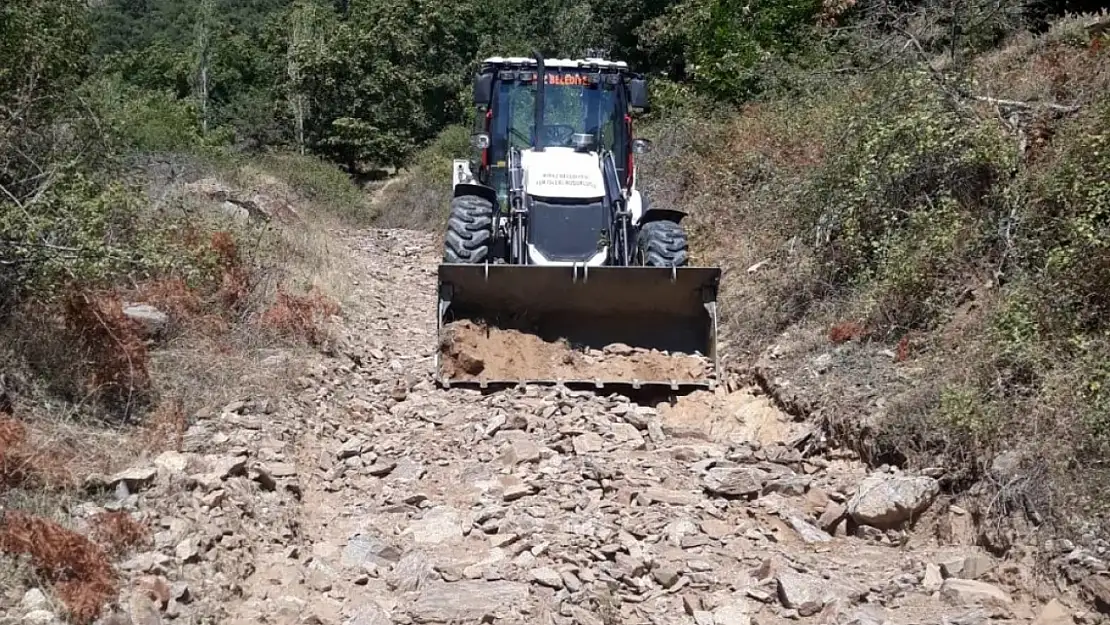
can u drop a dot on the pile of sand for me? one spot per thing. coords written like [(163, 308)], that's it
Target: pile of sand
[(476, 352)]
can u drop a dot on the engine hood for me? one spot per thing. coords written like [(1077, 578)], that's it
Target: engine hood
[(562, 172)]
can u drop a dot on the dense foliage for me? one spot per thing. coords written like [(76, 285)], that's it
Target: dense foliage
[(890, 157), (363, 83)]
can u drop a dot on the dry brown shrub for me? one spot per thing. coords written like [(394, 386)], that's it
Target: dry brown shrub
[(845, 331), (164, 428), (902, 351), (13, 463), (188, 309), (300, 317), (118, 532), (113, 352), (12, 433), (79, 569), (22, 465), (173, 297), (235, 277)]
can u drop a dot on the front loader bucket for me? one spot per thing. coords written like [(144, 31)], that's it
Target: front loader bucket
[(583, 327)]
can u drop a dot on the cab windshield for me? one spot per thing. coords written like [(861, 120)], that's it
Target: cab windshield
[(569, 107)]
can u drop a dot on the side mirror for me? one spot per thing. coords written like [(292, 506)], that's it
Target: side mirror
[(483, 90), (638, 94), (480, 141), (641, 146)]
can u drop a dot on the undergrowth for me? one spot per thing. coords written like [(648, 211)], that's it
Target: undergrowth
[(106, 359), (953, 227), (419, 197)]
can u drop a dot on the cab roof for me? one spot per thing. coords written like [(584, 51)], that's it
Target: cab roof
[(586, 63)]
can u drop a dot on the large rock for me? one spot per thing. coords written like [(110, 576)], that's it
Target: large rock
[(135, 478), (1097, 589), (735, 482), (886, 501), (152, 320), (809, 594), (440, 525), (369, 552), (965, 592), (732, 613), (806, 531), (1054, 613), (469, 601)]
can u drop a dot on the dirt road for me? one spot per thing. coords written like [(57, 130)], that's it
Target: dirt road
[(366, 496)]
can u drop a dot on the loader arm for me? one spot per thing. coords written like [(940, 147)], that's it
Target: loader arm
[(621, 219)]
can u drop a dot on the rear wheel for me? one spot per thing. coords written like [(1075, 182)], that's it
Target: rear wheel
[(469, 230), (662, 244)]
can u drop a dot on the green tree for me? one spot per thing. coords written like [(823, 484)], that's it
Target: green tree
[(44, 45), (726, 43), (388, 79)]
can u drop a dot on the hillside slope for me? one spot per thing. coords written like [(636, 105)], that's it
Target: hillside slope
[(360, 493), (917, 258), (914, 260), (215, 377)]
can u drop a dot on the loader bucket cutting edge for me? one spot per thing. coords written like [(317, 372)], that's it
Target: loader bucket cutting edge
[(669, 309)]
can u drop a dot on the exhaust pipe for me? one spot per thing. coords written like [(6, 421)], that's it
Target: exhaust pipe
[(541, 81)]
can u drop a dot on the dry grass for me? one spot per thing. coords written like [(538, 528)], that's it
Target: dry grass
[(1065, 66), (414, 200), (79, 571), (118, 532), (74, 364), (739, 177), (163, 429), (300, 317), (27, 465)]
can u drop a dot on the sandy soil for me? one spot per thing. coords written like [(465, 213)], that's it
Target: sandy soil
[(730, 417), (476, 352)]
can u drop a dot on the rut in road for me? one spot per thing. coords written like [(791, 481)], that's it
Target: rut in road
[(368, 496)]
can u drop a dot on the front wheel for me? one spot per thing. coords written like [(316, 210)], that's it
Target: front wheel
[(662, 244), (469, 230)]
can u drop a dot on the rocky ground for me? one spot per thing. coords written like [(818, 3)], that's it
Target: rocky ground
[(366, 496)]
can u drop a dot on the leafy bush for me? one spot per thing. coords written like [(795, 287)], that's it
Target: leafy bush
[(911, 200), (728, 44), (144, 120), (420, 197), (77, 229), (1064, 235)]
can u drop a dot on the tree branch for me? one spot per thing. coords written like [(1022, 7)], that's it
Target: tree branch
[(1063, 108)]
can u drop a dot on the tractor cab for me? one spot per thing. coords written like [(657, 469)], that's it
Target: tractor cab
[(584, 113)]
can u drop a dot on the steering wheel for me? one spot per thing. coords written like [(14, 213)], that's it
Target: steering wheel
[(559, 134)]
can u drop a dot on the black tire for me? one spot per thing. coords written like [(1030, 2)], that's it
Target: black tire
[(662, 244), (469, 230)]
